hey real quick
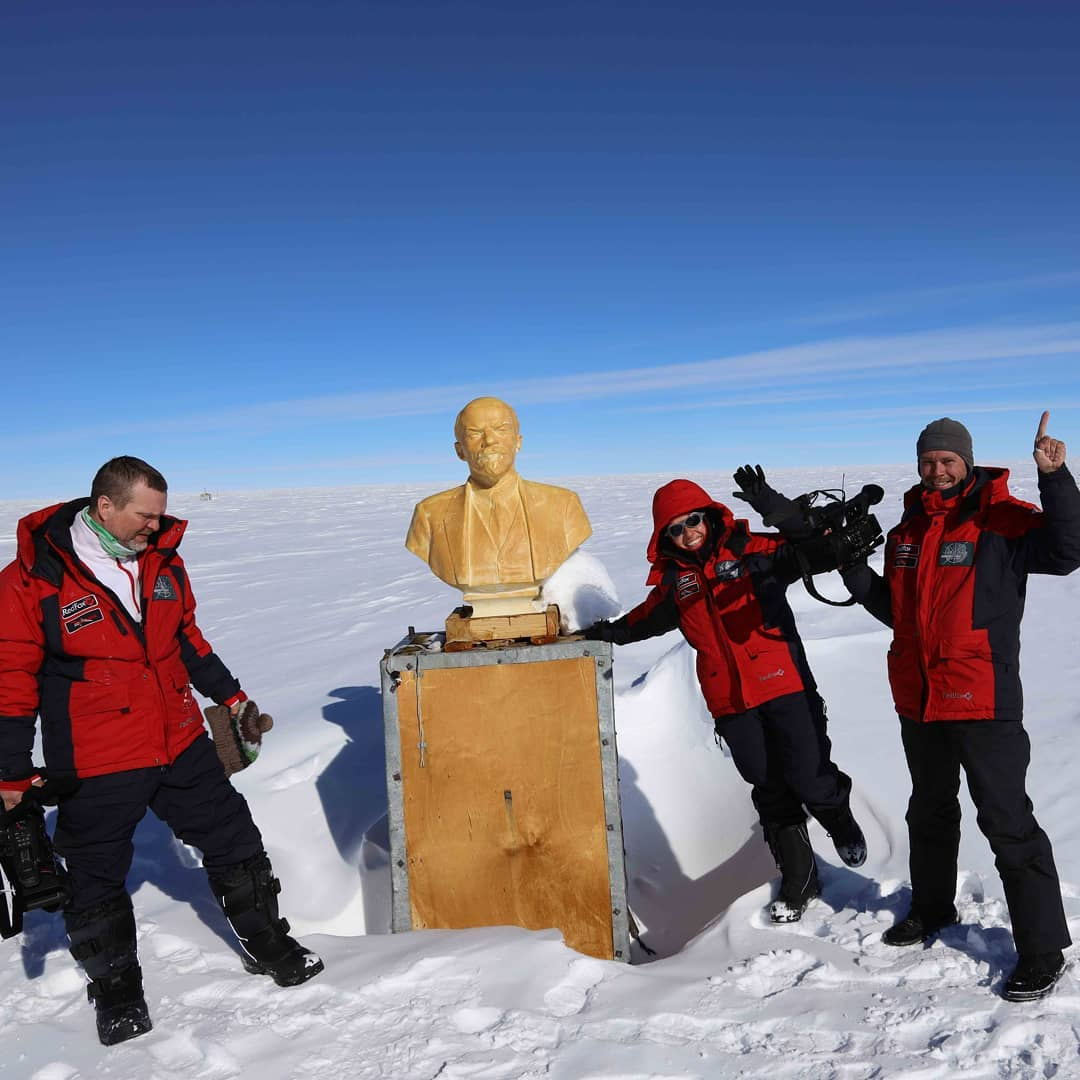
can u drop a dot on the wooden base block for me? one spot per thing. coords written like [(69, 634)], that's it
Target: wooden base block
[(464, 632)]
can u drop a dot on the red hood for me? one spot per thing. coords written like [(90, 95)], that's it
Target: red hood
[(679, 497), (24, 534), (56, 521)]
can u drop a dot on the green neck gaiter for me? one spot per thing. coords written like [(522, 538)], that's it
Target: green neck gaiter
[(109, 544)]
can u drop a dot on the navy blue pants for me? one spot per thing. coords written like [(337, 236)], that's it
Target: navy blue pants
[(95, 826), (994, 755), (783, 751)]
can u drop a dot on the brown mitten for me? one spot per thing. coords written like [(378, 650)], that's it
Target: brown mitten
[(237, 738)]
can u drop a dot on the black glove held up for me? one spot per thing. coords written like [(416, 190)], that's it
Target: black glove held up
[(751, 481)]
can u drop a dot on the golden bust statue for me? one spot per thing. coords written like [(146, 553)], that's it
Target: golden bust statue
[(498, 536)]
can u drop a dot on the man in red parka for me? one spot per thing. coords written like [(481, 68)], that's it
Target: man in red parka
[(956, 572), (724, 588), (98, 638)]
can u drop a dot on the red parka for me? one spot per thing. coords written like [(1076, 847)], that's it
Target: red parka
[(729, 604), (113, 693), (955, 583)]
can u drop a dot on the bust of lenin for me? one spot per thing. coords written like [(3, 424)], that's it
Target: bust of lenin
[(498, 536)]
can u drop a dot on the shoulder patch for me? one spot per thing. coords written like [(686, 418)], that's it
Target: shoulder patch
[(957, 553), (164, 589), (728, 569)]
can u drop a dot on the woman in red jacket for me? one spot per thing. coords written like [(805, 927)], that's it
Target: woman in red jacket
[(724, 588)]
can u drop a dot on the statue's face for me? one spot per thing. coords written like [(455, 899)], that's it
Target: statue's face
[(488, 439)]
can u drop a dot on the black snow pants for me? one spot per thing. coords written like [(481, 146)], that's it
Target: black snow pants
[(783, 751), (994, 755), (95, 826)]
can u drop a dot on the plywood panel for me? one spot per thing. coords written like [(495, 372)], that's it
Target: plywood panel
[(503, 801)]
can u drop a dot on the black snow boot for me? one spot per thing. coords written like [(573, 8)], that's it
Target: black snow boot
[(1034, 977), (121, 1008), (247, 893), (790, 846), (103, 941), (914, 929), (847, 837)]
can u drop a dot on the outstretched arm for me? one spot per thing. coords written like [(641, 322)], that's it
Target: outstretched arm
[(656, 614)]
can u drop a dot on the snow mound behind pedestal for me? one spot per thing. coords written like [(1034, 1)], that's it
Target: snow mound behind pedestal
[(584, 591), (693, 844)]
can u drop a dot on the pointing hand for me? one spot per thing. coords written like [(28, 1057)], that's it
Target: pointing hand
[(1049, 453)]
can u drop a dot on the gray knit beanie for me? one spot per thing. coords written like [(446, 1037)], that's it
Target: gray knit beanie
[(946, 434)]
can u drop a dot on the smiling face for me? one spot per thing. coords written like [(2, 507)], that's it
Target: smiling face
[(941, 469), (488, 439), (690, 537), (134, 520)]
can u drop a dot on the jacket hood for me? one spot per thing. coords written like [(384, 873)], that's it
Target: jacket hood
[(679, 497), (53, 523)]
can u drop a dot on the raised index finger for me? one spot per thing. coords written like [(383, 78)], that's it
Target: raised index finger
[(1042, 426)]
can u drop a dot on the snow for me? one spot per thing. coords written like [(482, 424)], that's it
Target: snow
[(301, 592)]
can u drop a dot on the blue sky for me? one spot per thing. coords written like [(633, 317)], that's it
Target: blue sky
[(271, 244)]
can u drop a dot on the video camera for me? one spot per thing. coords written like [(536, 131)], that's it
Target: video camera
[(843, 532), (30, 875)]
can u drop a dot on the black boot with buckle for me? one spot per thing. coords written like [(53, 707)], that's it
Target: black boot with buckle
[(103, 941), (247, 893)]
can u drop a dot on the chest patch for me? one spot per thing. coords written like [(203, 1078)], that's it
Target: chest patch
[(164, 589), (84, 603), (687, 585), (728, 569), (81, 622), (957, 553), (906, 555)]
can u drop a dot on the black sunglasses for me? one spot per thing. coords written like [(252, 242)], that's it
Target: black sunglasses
[(692, 521)]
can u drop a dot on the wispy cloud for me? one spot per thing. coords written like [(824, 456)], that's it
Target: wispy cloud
[(806, 363), (800, 368), (958, 405), (893, 303)]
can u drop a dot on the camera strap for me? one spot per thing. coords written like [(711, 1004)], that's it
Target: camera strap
[(11, 913), (811, 588)]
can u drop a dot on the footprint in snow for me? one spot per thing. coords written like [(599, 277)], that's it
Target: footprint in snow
[(572, 994)]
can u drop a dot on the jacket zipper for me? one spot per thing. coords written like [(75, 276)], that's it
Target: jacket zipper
[(924, 582)]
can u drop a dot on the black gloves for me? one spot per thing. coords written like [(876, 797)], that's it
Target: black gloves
[(858, 577), (751, 481), (599, 631), (237, 737), (776, 510)]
